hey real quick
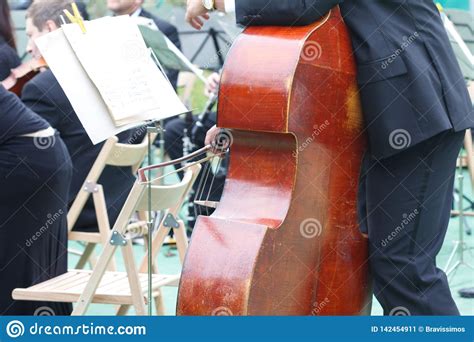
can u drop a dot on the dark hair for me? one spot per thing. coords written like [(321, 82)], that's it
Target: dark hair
[(6, 26)]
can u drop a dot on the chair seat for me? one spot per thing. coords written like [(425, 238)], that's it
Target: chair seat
[(114, 287)]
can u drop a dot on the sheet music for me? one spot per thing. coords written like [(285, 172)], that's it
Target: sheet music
[(116, 59), (81, 92)]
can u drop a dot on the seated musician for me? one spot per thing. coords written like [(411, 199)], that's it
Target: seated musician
[(35, 174), (134, 8), (8, 55), (416, 111), (44, 96)]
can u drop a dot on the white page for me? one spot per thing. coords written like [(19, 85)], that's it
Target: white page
[(81, 92), (118, 62)]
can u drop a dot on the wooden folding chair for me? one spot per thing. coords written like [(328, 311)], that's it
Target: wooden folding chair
[(113, 153), (84, 287)]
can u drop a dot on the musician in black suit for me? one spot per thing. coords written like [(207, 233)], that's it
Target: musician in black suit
[(44, 96), (8, 56), (416, 111), (134, 8), (35, 174)]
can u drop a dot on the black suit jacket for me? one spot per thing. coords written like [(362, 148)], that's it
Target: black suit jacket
[(171, 32), (44, 95), (8, 59), (414, 89)]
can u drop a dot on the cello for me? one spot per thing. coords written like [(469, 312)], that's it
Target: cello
[(284, 240)]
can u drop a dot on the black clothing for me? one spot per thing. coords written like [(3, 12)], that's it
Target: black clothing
[(404, 204), (44, 95), (8, 59), (17, 119), (35, 174)]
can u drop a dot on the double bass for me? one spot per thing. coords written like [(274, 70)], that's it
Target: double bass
[(284, 240)]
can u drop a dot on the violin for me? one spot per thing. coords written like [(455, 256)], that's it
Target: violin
[(22, 74), (284, 240)]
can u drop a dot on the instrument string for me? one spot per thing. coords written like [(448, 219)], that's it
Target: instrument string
[(202, 184), (209, 192)]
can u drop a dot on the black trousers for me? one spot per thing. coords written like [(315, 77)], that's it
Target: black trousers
[(404, 207), (34, 186)]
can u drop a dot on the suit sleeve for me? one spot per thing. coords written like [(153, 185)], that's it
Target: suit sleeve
[(40, 102), (8, 60), (282, 12)]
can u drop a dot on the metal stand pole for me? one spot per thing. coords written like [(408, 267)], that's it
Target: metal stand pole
[(459, 246), (152, 220)]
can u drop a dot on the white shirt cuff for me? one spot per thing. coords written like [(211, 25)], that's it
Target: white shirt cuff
[(229, 6)]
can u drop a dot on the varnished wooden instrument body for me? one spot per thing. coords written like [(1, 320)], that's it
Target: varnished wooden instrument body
[(21, 75), (284, 239)]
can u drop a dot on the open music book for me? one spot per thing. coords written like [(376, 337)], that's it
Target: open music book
[(109, 76)]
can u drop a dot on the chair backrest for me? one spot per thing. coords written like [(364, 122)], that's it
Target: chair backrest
[(112, 153), (163, 197), (129, 154), (166, 197)]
